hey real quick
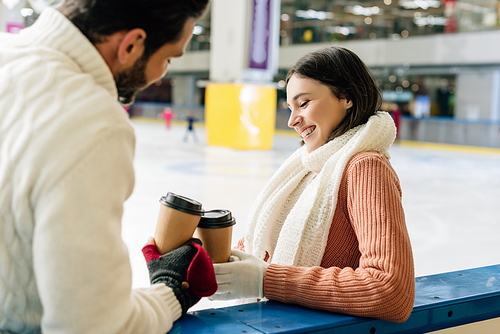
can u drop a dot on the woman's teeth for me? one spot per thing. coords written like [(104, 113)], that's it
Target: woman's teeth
[(306, 132)]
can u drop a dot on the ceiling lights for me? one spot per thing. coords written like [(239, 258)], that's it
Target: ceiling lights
[(424, 4), (314, 14), (366, 11), (10, 4)]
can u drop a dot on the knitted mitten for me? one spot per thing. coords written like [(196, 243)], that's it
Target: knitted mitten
[(187, 270)]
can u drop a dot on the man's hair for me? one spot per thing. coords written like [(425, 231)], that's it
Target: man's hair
[(347, 77), (162, 20)]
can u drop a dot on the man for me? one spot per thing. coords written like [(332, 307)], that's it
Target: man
[(66, 168)]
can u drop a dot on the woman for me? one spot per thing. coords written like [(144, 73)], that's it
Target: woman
[(328, 230)]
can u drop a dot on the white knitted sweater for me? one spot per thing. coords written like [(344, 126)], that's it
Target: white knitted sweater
[(66, 168)]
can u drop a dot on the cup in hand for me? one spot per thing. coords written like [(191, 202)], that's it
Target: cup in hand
[(215, 232), (177, 221)]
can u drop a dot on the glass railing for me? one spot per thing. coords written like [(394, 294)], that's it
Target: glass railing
[(310, 21)]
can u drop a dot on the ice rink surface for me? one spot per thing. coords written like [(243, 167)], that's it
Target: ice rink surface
[(451, 197)]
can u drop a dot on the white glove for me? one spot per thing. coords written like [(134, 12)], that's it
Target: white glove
[(240, 279)]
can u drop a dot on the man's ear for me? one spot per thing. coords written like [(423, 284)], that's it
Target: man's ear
[(131, 47)]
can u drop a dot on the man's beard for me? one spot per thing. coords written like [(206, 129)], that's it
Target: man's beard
[(131, 81)]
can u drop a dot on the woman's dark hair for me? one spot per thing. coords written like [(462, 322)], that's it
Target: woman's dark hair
[(162, 20), (348, 77)]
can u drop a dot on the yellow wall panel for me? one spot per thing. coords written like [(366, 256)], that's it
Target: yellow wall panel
[(240, 116)]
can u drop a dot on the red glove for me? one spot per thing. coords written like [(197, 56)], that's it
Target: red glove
[(187, 270)]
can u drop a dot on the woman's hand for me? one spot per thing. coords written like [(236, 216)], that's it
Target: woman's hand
[(240, 279)]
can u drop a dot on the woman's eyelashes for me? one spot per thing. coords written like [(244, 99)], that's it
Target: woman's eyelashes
[(303, 104)]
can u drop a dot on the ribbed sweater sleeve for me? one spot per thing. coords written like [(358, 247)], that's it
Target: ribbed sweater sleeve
[(383, 285)]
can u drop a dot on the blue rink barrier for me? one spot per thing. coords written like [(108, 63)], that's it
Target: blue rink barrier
[(441, 301)]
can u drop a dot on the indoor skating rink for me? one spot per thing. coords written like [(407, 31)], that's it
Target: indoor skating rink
[(451, 196)]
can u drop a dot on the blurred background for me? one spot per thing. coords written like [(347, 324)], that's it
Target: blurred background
[(437, 62)]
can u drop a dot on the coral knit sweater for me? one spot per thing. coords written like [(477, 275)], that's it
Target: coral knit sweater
[(367, 268)]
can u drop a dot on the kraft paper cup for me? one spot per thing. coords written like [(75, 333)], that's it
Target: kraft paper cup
[(215, 231), (177, 221)]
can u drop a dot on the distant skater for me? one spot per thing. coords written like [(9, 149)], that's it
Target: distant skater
[(396, 116), (190, 128), (167, 115)]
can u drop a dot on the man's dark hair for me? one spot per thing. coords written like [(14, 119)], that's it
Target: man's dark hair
[(162, 20), (347, 77)]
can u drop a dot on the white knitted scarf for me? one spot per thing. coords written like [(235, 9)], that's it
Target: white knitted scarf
[(300, 238)]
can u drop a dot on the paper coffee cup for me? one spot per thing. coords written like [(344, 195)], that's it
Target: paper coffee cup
[(215, 231), (177, 221)]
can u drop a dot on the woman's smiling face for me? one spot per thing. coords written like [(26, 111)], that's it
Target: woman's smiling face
[(316, 112)]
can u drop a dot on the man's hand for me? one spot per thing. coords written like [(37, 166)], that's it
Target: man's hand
[(187, 270)]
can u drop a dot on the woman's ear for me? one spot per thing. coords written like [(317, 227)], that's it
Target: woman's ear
[(348, 104), (131, 47)]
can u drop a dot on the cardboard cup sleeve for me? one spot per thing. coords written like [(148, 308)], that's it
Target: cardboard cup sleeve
[(177, 220)]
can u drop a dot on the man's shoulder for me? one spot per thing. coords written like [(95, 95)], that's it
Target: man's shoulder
[(5, 38), (53, 84)]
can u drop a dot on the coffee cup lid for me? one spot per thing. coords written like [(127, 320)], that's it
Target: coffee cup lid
[(183, 204), (218, 218)]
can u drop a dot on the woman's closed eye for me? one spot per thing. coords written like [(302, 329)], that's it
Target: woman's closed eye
[(303, 104)]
